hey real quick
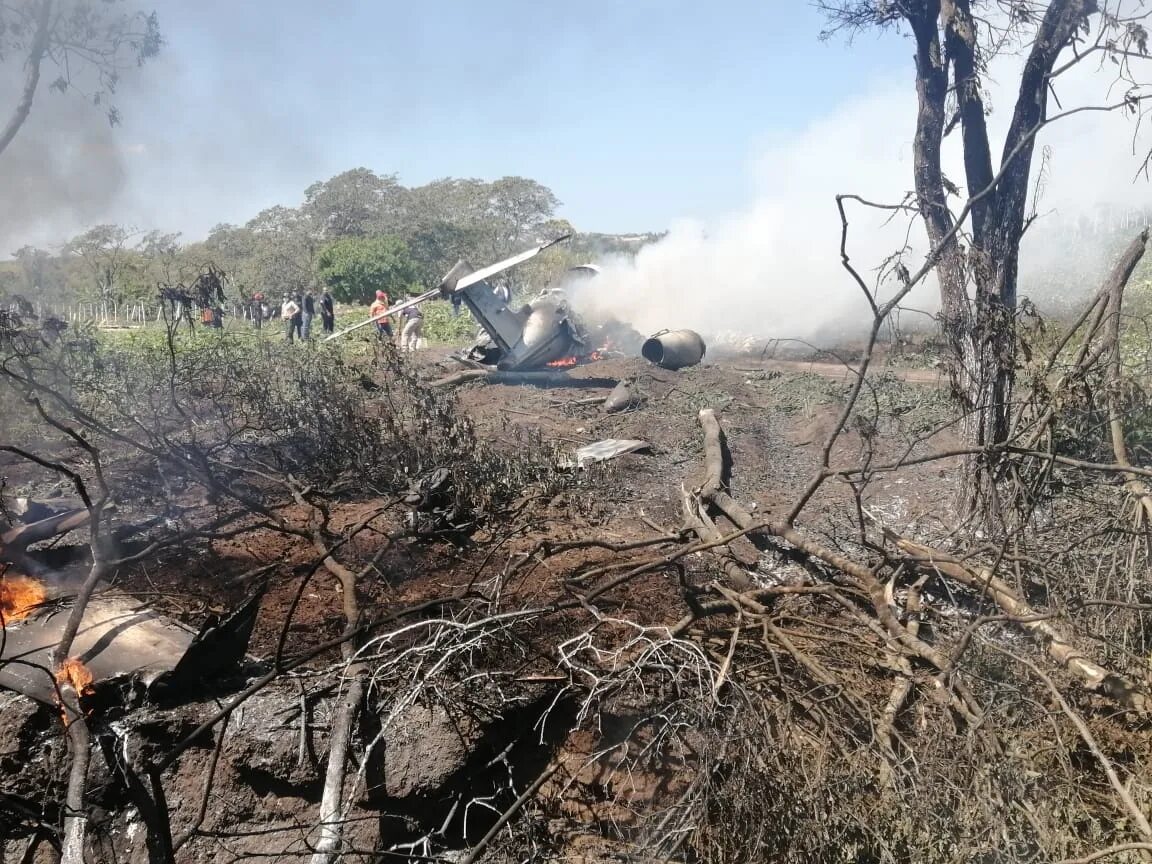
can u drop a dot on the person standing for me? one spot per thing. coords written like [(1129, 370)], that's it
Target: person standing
[(256, 310), (327, 311), (309, 313), (298, 318), (288, 312), (413, 329), (379, 311)]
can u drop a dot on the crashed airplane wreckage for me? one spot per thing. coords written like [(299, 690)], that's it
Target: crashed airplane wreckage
[(544, 332), (121, 641), (529, 337)]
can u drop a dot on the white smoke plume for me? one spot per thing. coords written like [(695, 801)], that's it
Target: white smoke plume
[(773, 269)]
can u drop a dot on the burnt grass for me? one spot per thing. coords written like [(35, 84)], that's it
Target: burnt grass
[(424, 762)]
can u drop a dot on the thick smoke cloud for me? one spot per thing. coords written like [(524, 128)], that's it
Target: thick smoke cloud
[(63, 170), (773, 269)]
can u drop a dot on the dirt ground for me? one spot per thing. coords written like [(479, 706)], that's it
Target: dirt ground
[(776, 415)]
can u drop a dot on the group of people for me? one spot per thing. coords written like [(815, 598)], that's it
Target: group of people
[(297, 314), (412, 328)]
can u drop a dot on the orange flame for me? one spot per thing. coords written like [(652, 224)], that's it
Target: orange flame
[(73, 672), (19, 595), (565, 362)]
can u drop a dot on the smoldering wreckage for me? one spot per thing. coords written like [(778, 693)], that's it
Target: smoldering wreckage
[(546, 332), (631, 663), (120, 639), (125, 652)]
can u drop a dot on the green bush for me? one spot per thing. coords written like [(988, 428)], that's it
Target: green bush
[(441, 327), (355, 268)]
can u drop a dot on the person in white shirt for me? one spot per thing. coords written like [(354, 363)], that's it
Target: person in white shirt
[(288, 312)]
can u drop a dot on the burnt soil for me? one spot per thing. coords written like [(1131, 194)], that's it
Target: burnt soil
[(776, 416)]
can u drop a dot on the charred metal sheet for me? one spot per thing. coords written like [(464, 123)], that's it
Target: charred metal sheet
[(604, 450), (221, 644), (118, 637)]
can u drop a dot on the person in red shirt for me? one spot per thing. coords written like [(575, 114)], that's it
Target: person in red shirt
[(383, 325)]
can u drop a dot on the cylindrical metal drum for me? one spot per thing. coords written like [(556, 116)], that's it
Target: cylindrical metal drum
[(674, 349)]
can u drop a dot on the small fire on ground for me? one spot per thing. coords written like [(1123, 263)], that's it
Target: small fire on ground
[(565, 362), (74, 673), (19, 596)]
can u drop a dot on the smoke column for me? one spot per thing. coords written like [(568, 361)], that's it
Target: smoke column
[(64, 167), (772, 270)]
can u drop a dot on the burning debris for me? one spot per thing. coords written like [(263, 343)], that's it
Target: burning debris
[(20, 596), (75, 675), (118, 636), (545, 333)]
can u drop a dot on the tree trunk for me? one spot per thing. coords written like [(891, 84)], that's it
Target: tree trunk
[(983, 375), (79, 743), (980, 329), (31, 75)]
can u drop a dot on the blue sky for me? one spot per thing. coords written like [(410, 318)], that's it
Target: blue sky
[(634, 113)]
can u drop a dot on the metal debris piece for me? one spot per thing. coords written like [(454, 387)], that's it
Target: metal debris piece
[(604, 450), (622, 398), (118, 636), (121, 637), (674, 349)]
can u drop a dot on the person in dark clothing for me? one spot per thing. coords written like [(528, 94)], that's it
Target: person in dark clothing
[(327, 311), (298, 316), (309, 313), (256, 310)]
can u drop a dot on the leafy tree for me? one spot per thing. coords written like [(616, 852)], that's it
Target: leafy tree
[(489, 221), (436, 245), (354, 204), (89, 43), (9, 282), (284, 242), (104, 252), (34, 268), (519, 209), (160, 258), (355, 268)]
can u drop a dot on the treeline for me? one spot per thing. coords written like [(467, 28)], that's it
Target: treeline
[(356, 232)]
